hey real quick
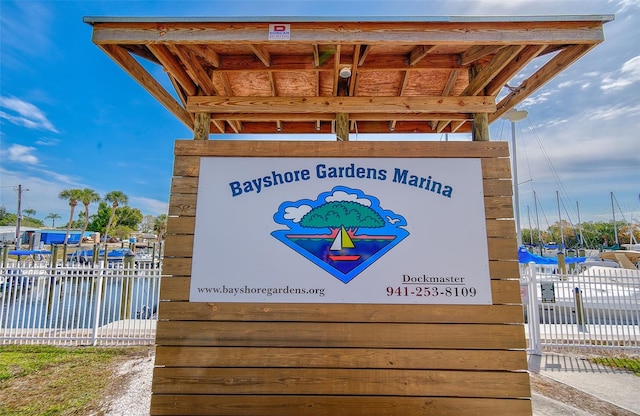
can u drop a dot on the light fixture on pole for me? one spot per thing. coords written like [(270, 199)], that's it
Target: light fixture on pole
[(513, 116)]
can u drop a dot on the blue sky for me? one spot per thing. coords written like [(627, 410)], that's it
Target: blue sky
[(71, 118)]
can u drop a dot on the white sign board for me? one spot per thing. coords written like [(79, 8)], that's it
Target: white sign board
[(340, 230)]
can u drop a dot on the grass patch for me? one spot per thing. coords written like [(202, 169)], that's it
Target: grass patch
[(627, 363), (46, 381)]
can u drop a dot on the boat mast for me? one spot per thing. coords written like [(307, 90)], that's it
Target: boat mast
[(535, 202), (615, 227), (560, 219), (580, 225)]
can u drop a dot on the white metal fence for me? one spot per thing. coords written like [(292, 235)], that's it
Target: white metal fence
[(596, 309), (78, 304)]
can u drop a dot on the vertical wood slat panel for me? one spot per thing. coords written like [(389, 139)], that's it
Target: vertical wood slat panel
[(192, 329)]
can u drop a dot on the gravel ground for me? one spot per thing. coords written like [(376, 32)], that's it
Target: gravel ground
[(131, 391)]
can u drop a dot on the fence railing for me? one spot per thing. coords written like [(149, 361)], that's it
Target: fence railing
[(596, 309), (78, 304)]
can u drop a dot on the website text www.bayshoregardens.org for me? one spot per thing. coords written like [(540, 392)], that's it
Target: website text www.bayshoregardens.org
[(269, 291)]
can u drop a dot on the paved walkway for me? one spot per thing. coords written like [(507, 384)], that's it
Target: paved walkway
[(615, 386)]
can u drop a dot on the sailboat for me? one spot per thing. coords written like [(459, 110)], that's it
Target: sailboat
[(341, 242)]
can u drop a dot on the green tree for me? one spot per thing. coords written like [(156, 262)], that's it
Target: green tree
[(87, 197), (146, 226), (116, 198), (129, 217), (29, 220), (7, 218), (71, 195), (337, 214), (53, 217)]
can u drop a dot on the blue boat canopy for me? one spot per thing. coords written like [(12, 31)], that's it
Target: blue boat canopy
[(524, 256)]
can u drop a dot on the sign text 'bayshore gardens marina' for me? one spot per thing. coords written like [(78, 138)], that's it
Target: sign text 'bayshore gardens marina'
[(340, 230), (322, 171)]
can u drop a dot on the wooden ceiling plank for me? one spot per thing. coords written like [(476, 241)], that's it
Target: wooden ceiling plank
[(407, 104), (476, 52), (486, 74), (144, 78), (262, 54), (555, 65), (512, 68), (173, 67), (419, 52)]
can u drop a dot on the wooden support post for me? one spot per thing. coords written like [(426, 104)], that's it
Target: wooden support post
[(342, 127), (480, 123), (201, 126)]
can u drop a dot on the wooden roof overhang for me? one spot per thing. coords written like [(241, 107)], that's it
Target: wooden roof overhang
[(407, 75)]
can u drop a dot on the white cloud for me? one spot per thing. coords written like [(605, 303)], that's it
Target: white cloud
[(627, 75), (295, 214), (28, 115), (343, 196), (22, 154)]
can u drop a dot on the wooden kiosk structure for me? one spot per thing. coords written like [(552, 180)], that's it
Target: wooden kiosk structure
[(293, 76)]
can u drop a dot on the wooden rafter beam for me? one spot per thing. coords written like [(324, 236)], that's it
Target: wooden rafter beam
[(403, 86), (364, 54), (207, 53), (336, 70), (193, 67), (262, 54), (203, 79), (316, 55), (512, 68), (172, 66), (486, 74), (419, 52), (354, 71), (555, 65), (403, 105), (446, 91), (144, 78), (476, 52)]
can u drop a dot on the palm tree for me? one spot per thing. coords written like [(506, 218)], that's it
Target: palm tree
[(29, 212), (116, 198), (160, 226), (71, 195), (87, 197), (53, 216)]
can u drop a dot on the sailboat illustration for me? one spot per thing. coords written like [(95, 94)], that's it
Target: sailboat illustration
[(341, 242)]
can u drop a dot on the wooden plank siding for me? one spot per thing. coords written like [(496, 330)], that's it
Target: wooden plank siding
[(341, 359)]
